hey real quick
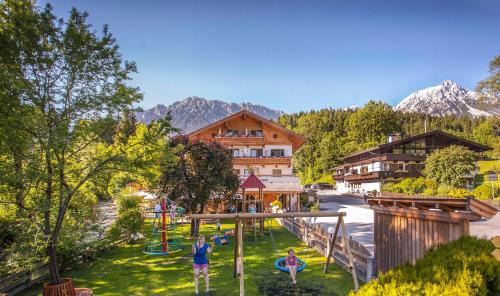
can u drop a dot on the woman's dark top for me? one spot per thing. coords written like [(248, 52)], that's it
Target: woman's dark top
[(200, 257)]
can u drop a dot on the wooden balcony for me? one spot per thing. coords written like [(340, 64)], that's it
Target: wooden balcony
[(262, 160), (338, 177), (240, 140), (380, 175)]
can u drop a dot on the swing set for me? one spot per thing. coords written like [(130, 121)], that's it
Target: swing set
[(240, 218)]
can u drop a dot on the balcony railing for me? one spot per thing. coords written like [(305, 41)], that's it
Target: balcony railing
[(380, 174), (338, 177), (241, 140), (262, 160)]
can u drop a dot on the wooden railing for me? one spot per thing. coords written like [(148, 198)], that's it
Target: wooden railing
[(317, 237), (262, 160), (20, 281), (240, 140), (17, 282)]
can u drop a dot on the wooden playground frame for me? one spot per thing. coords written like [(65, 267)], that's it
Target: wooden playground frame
[(238, 246)]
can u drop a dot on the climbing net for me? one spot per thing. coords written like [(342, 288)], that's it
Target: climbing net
[(162, 236)]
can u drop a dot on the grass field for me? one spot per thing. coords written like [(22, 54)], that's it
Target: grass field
[(485, 166), (127, 271)]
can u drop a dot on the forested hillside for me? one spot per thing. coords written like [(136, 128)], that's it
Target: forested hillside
[(334, 133)]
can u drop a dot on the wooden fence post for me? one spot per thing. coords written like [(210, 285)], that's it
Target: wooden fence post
[(332, 245), (240, 257), (347, 246), (236, 247)]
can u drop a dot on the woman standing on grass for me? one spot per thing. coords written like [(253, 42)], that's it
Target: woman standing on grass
[(291, 264), (200, 250)]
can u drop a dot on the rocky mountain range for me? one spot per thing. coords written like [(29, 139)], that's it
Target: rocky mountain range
[(194, 112), (448, 98)]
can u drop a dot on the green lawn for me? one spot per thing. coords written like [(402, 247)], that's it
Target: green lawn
[(127, 271), (485, 166)]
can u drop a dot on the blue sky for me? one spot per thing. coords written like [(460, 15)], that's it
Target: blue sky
[(298, 55)]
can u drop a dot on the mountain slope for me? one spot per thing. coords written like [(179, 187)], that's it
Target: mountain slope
[(194, 112), (448, 98)]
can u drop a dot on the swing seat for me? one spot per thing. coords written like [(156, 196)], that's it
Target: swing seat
[(220, 239), (281, 264), (229, 232)]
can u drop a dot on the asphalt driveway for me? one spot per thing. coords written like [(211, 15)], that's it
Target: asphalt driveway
[(359, 219)]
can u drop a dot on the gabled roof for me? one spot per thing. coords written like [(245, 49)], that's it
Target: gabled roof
[(252, 182), (412, 138), (298, 139)]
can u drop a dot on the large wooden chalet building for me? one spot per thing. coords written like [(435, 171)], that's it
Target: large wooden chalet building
[(262, 149), (368, 170)]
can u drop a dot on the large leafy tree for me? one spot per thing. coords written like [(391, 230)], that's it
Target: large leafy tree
[(450, 165), (200, 170), (489, 88), (371, 124), (62, 88)]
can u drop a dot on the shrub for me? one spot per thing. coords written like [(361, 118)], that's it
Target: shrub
[(391, 187), (129, 221), (462, 267), (304, 199), (484, 191), (328, 178), (430, 192), (127, 201), (388, 187), (444, 190), (315, 207), (412, 186), (459, 193)]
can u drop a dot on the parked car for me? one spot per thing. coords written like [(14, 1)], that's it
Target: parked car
[(307, 187), (323, 186)]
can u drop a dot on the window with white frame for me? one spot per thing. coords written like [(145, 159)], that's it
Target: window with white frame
[(277, 152)]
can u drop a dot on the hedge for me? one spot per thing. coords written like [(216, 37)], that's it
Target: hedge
[(462, 267)]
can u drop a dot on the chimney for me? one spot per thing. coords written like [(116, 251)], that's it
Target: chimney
[(393, 137)]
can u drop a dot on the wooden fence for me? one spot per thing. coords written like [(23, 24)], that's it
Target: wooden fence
[(20, 281), (317, 237)]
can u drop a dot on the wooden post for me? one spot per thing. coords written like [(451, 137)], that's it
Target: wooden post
[(235, 259), (289, 202), (345, 237), (164, 247), (332, 245), (298, 202), (243, 201), (240, 257)]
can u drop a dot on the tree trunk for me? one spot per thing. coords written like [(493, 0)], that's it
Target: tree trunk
[(55, 277), (193, 226)]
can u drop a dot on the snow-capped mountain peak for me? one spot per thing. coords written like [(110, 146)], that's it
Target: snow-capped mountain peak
[(447, 98)]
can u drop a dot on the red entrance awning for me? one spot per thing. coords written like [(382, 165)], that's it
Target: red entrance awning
[(252, 182)]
